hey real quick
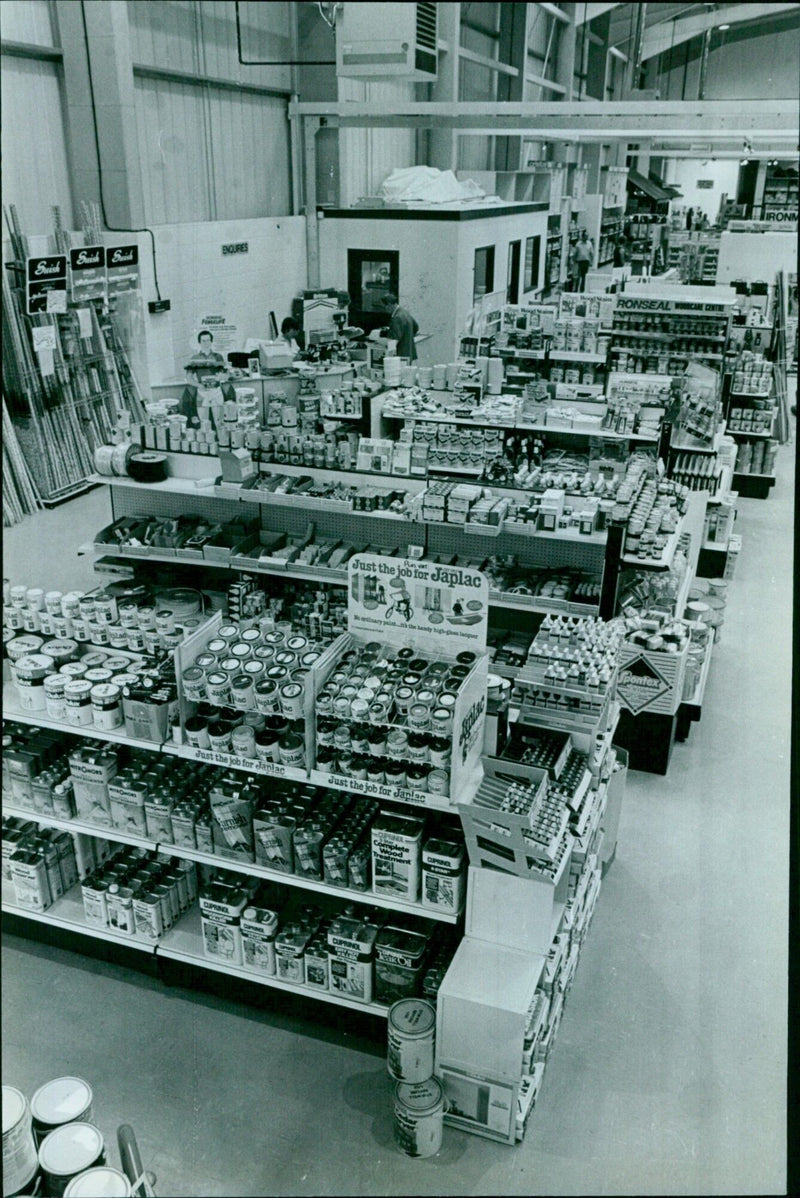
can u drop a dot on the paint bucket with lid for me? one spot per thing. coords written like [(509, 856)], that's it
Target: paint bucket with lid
[(19, 1148), (412, 1026), (102, 1182), (63, 1100), (69, 1150), (419, 1117)]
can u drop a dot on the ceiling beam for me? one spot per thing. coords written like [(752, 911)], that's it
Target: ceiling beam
[(593, 120), (659, 38)]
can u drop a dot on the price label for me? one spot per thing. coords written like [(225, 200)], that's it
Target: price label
[(44, 336)]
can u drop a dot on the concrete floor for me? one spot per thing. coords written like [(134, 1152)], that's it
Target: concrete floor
[(669, 1072)]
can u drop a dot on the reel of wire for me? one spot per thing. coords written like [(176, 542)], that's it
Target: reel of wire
[(144, 466)]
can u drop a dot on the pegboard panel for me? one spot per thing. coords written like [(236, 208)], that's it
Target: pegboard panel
[(135, 501), (541, 552), (387, 532)]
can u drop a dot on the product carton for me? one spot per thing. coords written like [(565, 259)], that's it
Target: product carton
[(352, 947), (259, 930), (126, 803), (91, 773), (221, 910), (443, 875), (396, 856)]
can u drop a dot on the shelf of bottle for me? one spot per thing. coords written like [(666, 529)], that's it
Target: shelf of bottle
[(76, 825), (345, 893), (184, 943), (216, 861), (67, 913)]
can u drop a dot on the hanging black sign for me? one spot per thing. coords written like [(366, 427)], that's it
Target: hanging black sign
[(43, 276)]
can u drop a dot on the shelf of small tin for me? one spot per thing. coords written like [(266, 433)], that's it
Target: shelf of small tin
[(184, 942), (696, 699), (663, 561), (40, 719), (67, 913), (345, 893), (75, 825)]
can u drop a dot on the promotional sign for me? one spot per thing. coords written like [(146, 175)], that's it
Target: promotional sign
[(88, 273), (224, 332), (677, 306), (45, 275), (640, 685), (443, 609), (122, 268)]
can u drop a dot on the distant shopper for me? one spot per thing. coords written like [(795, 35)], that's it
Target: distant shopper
[(402, 328), (584, 256), (689, 219), (292, 335)]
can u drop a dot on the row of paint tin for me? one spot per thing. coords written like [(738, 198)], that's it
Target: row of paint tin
[(419, 1101), (51, 1146)]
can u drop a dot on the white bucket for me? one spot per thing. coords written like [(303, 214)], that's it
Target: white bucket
[(391, 371), (63, 1100), (419, 1117), (102, 1182), (425, 376), (19, 1148), (69, 1150), (408, 376), (439, 377), (412, 1026)]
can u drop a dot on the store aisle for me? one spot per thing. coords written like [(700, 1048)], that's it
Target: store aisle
[(668, 1075)]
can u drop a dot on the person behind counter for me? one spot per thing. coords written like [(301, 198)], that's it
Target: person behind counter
[(402, 328), (292, 334)]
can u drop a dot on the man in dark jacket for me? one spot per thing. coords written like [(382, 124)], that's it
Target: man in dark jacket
[(402, 328)]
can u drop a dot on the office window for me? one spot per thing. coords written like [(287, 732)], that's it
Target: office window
[(532, 250), (484, 272)]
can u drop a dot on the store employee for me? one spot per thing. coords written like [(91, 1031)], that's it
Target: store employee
[(292, 335), (402, 328)]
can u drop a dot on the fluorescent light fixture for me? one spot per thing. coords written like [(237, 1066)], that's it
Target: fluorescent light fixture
[(723, 27)]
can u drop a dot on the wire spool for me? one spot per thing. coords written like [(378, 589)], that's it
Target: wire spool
[(182, 601), (103, 458), (144, 466)]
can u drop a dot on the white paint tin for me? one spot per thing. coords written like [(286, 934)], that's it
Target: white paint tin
[(19, 1148), (68, 1151), (418, 1117), (63, 1100), (102, 1182), (412, 1027)]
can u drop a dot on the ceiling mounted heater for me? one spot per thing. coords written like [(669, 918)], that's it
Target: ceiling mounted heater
[(387, 40)]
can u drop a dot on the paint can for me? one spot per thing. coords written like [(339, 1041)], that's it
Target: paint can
[(412, 1025), (103, 1180), (63, 1100), (20, 1160), (418, 1117), (68, 1151)]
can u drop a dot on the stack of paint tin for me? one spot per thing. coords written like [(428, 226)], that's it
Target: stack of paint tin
[(418, 1095)]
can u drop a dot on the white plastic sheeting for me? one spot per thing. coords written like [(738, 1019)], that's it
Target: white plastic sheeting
[(428, 185)]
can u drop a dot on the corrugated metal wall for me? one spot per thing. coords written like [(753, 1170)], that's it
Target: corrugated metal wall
[(208, 152), (27, 22), (367, 156), (35, 170)]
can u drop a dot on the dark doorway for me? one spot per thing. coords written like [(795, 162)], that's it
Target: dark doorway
[(512, 281)]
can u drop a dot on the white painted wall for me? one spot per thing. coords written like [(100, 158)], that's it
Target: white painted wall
[(436, 264), (198, 280), (756, 256), (684, 173)]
